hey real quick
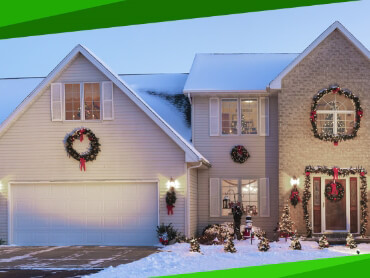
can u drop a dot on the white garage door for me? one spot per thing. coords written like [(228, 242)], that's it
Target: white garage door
[(84, 214)]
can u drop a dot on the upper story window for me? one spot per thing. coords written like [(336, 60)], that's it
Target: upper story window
[(87, 94), (235, 122), (335, 115)]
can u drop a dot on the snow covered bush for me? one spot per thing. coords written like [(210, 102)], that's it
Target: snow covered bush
[(216, 234), (166, 234)]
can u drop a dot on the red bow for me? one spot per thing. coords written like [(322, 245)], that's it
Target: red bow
[(82, 164), (362, 174), (334, 190), (82, 131), (313, 114), (240, 150), (360, 113), (170, 209), (336, 90), (294, 194), (307, 174), (335, 173)]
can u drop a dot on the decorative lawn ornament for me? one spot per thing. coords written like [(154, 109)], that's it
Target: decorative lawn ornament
[(323, 242), (286, 224), (92, 152), (166, 234), (264, 244), (171, 200), (194, 245), (239, 154), (229, 245), (331, 172), (339, 137), (295, 244), (350, 241)]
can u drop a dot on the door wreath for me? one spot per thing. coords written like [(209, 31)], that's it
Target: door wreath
[(90, 154), (334, 191)]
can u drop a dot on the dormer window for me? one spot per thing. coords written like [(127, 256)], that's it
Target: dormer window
[(74, 110)]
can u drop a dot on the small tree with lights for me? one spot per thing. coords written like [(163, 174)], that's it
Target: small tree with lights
[(350, 241), (323, 242), (286, 223)]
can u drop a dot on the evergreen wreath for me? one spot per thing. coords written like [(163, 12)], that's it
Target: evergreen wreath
[(239, 154), (313, 116), (332, 196), (92, 152)]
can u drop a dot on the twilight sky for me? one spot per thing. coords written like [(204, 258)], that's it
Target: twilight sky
[(170, 46)]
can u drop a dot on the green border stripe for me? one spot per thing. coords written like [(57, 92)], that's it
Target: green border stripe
[(123, 13)]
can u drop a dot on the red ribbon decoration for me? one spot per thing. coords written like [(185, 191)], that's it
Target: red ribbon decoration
[(335, 143), (295, 193), (334, 190), (240, 150), (360, 113), (82, 134), (307, 174), (362, 174), (170, 209), (313, 114), (335, 173), (336, 90), (82, 164)]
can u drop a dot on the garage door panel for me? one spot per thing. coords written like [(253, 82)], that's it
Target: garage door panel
[(84, 214)]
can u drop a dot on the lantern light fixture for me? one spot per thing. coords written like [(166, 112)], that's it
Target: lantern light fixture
[(294, 181), (173, 183)]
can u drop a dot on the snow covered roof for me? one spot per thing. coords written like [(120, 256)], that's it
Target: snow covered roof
[(235, 72)]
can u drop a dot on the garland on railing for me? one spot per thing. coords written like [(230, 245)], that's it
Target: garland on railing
[(341, 172)]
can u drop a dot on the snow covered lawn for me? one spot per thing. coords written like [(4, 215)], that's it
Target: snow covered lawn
[(176, 259)]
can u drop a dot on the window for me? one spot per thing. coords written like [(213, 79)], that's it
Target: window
[(235, 123), (335, 115), (72, 96), (92, 101), (249, 118), (74, 110), (229, 116), (242, 191)]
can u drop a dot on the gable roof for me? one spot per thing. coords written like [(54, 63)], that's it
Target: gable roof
[(235, 72), (191, 154), (276, 83)]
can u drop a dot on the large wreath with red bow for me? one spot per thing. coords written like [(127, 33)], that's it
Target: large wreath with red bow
[(313, 116), (239, 154), (334, 191), (90, 154)]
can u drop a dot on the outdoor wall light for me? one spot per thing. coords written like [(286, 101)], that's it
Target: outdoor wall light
[(294, 194), (173, 183)]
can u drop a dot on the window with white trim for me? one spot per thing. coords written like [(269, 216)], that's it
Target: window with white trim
[(241, 191), (335, 115), (239, 116), (75, 109)]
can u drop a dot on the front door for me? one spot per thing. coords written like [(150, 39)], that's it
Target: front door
[(335, 211)]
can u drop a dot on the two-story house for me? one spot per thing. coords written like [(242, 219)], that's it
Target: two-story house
[(87, 158)]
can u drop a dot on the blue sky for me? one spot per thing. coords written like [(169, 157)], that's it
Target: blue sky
[(170, 47)]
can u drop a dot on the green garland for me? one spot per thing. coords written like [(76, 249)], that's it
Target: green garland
[(313, 116), (93, 150), (239, 154), (332, 197), (341, 172)]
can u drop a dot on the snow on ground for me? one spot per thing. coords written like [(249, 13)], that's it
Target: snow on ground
[(176, 259)]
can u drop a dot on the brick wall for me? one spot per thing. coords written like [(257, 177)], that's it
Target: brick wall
[(335, 60)]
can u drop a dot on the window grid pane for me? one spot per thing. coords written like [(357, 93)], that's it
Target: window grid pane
[(72, 102), (92, 101), (229, 116), (249, 193), (229, 195), (249, 116)]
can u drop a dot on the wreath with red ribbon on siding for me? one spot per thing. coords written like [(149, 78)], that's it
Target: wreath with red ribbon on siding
[(334, 191), (239, 154), (89, 155)]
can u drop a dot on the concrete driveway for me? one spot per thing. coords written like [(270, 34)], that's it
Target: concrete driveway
[(61, 261)]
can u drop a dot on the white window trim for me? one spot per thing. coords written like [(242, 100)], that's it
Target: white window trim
[(335, 117), (82, 102), (239, 195), (239, 116)]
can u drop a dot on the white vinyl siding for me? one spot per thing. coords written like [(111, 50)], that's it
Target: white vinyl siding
[(56, 101), (264, 190), (264, 116), (107, 88), (215, 199), (214, 117)]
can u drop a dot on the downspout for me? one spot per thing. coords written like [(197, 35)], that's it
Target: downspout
[(187, 220)]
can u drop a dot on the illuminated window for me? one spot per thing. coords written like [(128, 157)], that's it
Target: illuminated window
[(72, 95)]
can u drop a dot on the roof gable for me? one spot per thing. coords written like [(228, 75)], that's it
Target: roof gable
[(276, 83), (191, 154)]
